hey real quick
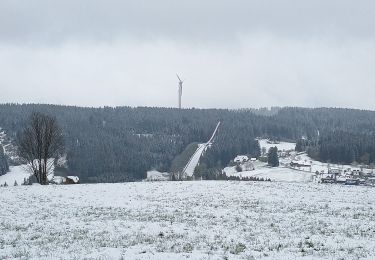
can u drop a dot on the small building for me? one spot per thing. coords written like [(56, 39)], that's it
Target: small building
[(71, 180), (241, 159), (296, 163), (341, 178), (327, 178), (65, 180), (352, 181), (335, 171), (357, 173)]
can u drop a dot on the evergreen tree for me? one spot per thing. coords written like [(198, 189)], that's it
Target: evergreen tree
[(273, 158), (4, 167)]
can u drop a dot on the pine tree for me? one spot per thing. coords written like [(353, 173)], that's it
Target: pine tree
[(4, 167), (273, 158)]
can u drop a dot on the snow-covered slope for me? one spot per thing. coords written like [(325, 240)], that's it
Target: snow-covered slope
[(9, 148), (187, 220), (282, 146), (19, 173), (194, 160), (15, 174)]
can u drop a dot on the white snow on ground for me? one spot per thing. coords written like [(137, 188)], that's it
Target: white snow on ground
[(16, 173), (188, 220), (20, 172), (282, 146), (303, 158), (194, 160), (320, 166), (275, 174)]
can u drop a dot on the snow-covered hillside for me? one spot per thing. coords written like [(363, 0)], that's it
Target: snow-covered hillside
[(19, 172), (188, 220), (194, 160), (281, 146), (15, 174), (9, 148)]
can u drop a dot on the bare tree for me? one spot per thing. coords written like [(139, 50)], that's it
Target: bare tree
[(41, 142)]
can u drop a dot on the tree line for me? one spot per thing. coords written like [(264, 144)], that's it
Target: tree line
[(113, 144)]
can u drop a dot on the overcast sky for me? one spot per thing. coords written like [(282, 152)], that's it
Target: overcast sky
[(232, 54)]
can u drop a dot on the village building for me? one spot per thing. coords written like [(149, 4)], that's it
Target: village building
[(71, 180), (296, 163), (65, 180), (241, 158)]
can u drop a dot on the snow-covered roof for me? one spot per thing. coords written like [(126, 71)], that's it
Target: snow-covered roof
[(241, 158), (73, 178), (326, 175), (302, 163)]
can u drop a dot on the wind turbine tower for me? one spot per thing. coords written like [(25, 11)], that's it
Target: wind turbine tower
[(179, 91)]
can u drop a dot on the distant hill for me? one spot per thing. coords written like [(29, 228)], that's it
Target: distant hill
[(123, 143)]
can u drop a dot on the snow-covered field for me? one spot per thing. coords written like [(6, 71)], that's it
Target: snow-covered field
[(281, 174), (320, 166), (15, 174), (282, 146), (188, 220), (20, 172)]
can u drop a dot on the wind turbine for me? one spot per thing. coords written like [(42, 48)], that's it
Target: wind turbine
[(179, 91)]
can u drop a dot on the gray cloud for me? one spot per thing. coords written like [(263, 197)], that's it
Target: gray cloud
[(232, 53), (56, 21)]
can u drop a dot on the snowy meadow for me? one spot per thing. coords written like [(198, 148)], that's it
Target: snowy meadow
[(188, 220)]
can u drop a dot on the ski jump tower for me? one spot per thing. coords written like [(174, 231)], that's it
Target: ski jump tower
[(179, 91)]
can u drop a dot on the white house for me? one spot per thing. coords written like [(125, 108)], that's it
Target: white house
[(300, 163), (241, 158)]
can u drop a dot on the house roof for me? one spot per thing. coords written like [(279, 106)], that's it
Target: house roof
[(73, 178), (241, 158)]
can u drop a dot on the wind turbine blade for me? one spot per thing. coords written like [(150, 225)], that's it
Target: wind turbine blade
[(178, 77)]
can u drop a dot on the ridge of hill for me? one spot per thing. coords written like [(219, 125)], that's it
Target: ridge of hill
[(115, 144)]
